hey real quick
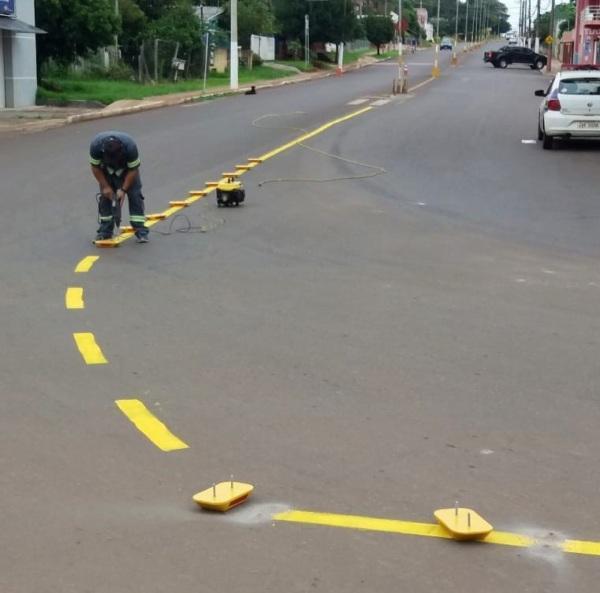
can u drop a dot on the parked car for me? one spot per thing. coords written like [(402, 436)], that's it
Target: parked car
[(571, 105), (446, 43), (513, 41), (515, 55)]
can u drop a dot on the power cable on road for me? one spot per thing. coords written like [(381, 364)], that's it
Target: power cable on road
[(377, 170)]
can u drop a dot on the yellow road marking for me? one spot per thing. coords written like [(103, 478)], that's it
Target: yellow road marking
[(573, 546), (74, 298), (85, 265), (503, 538), (150, 426), (316, 132), (90, 351)]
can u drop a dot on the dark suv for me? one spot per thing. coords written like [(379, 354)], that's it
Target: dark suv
[(515, 55)]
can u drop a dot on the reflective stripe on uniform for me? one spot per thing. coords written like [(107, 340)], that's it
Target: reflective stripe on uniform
[(94, 162), (136, 218), (106, 218), (133, 164)]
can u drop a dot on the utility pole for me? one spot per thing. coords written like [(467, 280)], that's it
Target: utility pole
[(116, 36), (529, 23), (537, 29), (233, 47), (455, 36), (400, 58), (437, 24), (552, 37), (306, 39), (467, 24)]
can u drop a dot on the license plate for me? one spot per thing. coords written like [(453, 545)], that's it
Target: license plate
[(583, 125)]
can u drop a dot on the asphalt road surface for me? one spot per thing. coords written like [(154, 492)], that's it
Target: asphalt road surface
[(377, 346)]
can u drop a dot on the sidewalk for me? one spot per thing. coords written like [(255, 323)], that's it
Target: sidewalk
[(40, 118)]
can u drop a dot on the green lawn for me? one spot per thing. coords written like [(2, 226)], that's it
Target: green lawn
[(108, 91), (353, 56), (300, 64)]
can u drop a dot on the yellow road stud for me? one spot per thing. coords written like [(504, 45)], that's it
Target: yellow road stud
[(197, 192), (212, 183), (243, 167), (256, 161), (181, 203), (127, 229), (223, 496), (462, 523), (231, 173), (158, 216)]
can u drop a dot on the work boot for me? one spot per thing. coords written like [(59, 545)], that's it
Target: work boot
[(139, 238), (101, 237)]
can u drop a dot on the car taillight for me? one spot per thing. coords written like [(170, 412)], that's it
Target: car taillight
[(553, 105)]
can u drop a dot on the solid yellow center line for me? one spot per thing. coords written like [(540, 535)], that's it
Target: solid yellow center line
[(85, 265), (150, 426), (90, 351), (396, 526), (316, 132), (74, 298), (573, 546)]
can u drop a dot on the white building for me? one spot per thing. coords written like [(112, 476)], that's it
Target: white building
[(18, 71)]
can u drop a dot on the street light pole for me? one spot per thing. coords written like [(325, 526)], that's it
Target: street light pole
[(233, 47)]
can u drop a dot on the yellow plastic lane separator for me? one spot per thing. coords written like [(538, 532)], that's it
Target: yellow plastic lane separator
[(90, 351), (85, 265), (74, 298), (502, 538), (149, 425)]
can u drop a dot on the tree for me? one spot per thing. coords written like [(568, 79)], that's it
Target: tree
[(254, 18), (379, 30), (179, 23), (331, 21), (134, 25), (74, 27)]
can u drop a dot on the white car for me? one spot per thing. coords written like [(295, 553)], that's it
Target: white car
[(571, 106)]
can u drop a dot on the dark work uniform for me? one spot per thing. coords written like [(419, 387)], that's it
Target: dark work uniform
[(115, 175)]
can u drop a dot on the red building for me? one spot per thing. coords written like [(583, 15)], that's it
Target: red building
[(587, 32)]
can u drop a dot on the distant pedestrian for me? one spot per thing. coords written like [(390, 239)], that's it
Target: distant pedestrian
[(115, 165)]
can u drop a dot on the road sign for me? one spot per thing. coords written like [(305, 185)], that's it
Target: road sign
[(7, 7), (549, 40)]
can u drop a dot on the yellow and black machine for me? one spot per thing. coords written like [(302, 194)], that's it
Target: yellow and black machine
[(230, 192)]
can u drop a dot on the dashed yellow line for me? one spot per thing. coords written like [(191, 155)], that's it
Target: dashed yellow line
[(85, 265), (150, 426), (90, 351), (74, 298)]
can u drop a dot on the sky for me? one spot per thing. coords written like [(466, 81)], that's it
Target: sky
[(513, 10)]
